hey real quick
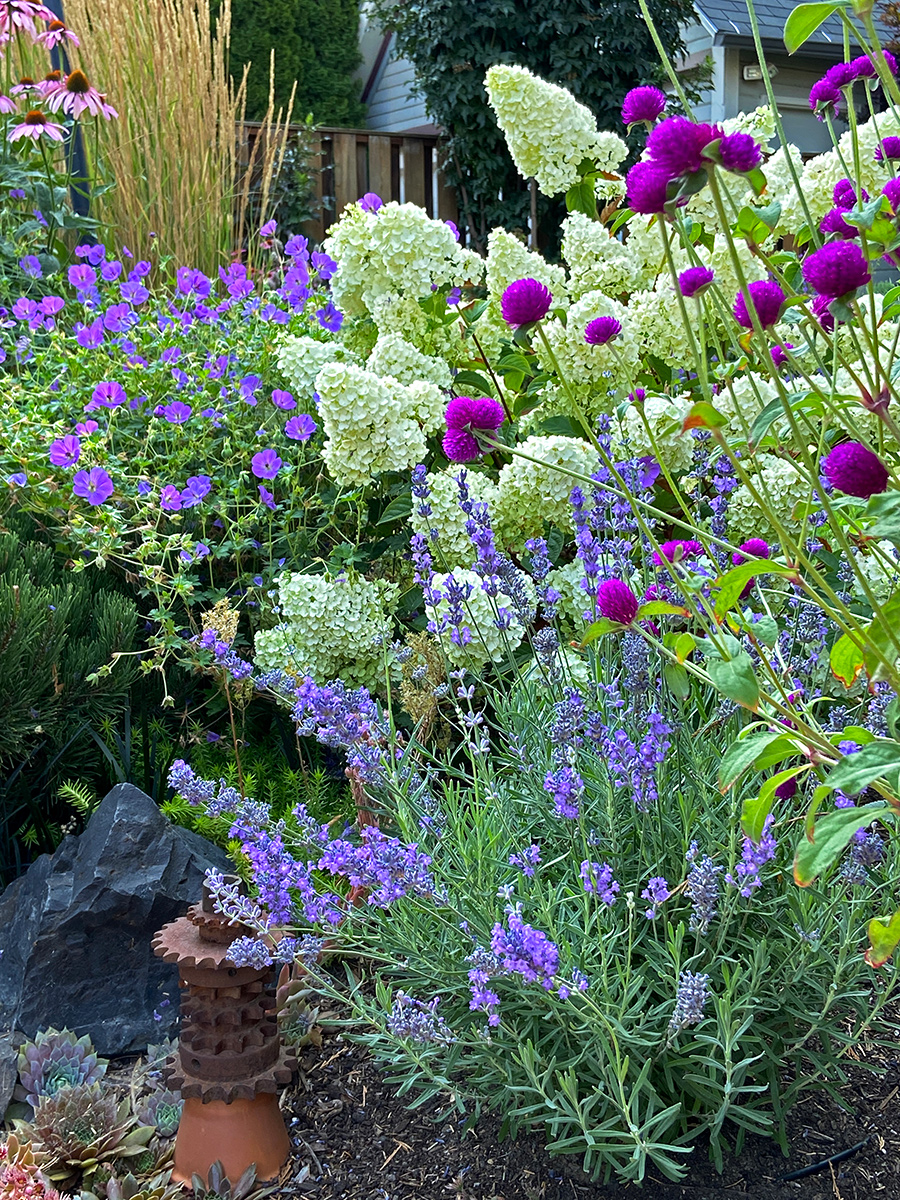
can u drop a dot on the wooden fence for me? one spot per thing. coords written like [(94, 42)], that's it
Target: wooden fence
[(347, 163)]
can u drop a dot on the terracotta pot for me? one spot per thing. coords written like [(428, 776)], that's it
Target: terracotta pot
[(239, 1133)]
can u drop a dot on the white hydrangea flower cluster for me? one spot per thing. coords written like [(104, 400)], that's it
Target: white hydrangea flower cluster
[(300, 359), (664, 415), (404, 316), (547, 131), (329, 628), (743, 397), (881, 576), (657, 327), (453, 546), (373, 424), (759, 123), (393, 355), (532, 493), (574, 601), (597, 262), (783, 489), (484, 642), (593, 372), (398, 249), (509, 259)]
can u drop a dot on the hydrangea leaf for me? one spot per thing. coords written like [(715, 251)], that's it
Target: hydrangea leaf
[(884, 938), (829, 838), (398, 510)]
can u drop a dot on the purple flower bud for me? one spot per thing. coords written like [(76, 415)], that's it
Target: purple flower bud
[(642, 104), (837, 269), (465, 418), (695, 280), (892, 190), (602, 330), (822, 313), (524, 302), (616, 601), (766, 297), (854, 469)]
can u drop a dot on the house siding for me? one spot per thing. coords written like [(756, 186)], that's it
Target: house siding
[(392, 106)]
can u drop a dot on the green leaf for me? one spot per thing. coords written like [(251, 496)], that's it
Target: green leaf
[(741, 755), (677, 679), (845, 659), (755, 810), (770, 215), (733, 582), (473, 379), (805, 20), (515, 362), (598, 629), (830, 836), (856, 771), (398, 510), (660, 608), (581, 197), (757, 181), (883, 517), (684, 646), (765, 629), (735, 679), (702, 415), (775, 409), (884, 938)]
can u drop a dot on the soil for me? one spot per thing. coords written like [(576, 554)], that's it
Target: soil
[(355, 1139)]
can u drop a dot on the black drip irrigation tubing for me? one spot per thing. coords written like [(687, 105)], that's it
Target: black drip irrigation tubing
[(814, 1168)]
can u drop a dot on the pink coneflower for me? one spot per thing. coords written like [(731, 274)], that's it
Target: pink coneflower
[(49, 82), (75, 95), (7, 105), (34, 125), (26, 84), (55, 34), (22, 14)]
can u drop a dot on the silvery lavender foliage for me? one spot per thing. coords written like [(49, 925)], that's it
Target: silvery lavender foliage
[(635, 666), (690, 1000), (754, 855), (702, 888), (876, 713), (417, 1021)]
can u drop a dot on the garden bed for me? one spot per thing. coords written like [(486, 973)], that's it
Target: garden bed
[(355, 1139)]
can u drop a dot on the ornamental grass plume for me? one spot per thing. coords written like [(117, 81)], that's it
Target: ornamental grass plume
[(465, 419), (838, 269), (854, 469), (616, 601), (524, 302), (766, 297)]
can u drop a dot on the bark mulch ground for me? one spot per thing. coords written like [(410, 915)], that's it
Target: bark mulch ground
[(354, 1139)]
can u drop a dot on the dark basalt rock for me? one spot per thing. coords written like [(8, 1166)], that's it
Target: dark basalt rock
[(75, 930)]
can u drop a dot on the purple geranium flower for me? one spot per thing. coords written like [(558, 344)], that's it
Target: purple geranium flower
[(170, 499), (465, 418), (267, 498), (82, 277), (266, 464), (193, 283), (268, 229), (283, 400), (370, 202), (65, 451), (86, 428), (109, 394), (330, 318), (31, 265), (177, 412), (90, 336), (198, 486), (95, 485), (524, 302), (300, 427)]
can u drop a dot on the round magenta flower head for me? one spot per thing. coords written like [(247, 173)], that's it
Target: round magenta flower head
[(863, 67), (891, 61), (740, 153), (754, 548), (841, 74), (822, 313), (642, 104), (95, 485), (766, 297), (602, 330), (466, 418), (844, 194), (833, 222), (645, 187), (779, 355), (889, 149), (676, 145), (824, 95), (892, 190), (524, 302), (616, 601), (677, 551), (836, 270), (695, 280), (854, 469), (266, 464)]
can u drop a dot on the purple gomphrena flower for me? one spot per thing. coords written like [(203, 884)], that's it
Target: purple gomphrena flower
[(677, 551), (840, 75), (754, 856), (109, 394), (695, 280), (465, 418), (754, 548), (371, 203), (616, 601), (66, 451), (833, 222), (824, 95), (889, 149), (266, 464), (524, 302), (822, 313), (676, 145), (646, 186), (177, 412), (892, 190), (602, 330), (853, 468), (300, 428), (598, 879), (657, 892), (779, 354), (642, 104), (95, 485), (836, 270), (702, 888), (283, 400), (690, 1000), (740, 153), (843, 194), (766, 297)]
